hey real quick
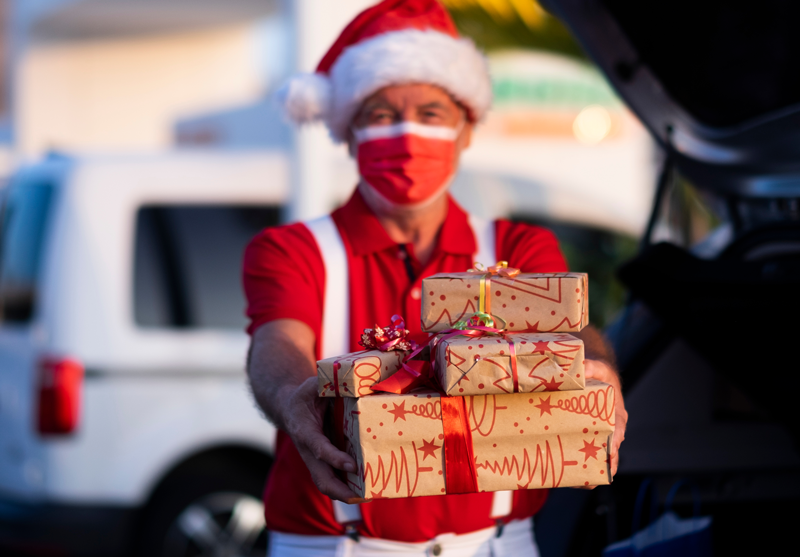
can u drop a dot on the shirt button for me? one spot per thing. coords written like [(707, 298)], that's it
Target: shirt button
[(436, 549), (416, 293)]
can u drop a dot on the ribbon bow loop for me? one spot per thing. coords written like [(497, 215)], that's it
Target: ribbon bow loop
[(477, 319), (385, 339), (501, 268)]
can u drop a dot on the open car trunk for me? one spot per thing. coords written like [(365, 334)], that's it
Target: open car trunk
[(706, 344), (715, 81)]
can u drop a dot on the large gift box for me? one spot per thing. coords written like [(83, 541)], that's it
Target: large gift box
[(422, 443), (511, 363), (542, 302)]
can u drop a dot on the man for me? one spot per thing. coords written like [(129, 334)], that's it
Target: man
[(404, 91)]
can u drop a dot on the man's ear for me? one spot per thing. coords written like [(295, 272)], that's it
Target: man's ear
[(465, 137)]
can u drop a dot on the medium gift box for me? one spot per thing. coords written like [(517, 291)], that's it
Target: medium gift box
[(423, 443), (354, 374), (508, 363), (536, 302)]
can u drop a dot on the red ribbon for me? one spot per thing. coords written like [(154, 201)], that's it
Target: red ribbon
[(412, 374), (336, 367), (513, 353), (460, 473)]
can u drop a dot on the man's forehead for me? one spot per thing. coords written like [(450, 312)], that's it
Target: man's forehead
[(414, 95)]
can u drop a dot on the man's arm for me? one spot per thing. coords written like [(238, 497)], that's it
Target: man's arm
[(601, 365), (282, 371)]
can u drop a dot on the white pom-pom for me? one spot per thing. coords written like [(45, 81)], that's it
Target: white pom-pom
[(305, 97)]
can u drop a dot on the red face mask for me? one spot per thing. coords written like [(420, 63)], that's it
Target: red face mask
[(406, 163)]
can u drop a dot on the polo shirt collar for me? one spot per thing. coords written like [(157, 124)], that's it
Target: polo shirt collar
[(365, 233)]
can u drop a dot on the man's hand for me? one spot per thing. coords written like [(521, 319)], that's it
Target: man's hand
[(597, 369), (282, 371), (304, 415), (600, 366)]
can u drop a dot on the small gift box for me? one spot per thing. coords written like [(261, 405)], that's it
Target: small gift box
[(423, 443), (508, 363), (534, 302), (354, 374)]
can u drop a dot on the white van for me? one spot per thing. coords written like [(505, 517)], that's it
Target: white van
[(126, 424)]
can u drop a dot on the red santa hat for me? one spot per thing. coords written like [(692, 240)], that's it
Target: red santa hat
[(391, 43)]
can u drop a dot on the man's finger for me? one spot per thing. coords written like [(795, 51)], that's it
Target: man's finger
[(327, 482), (320, 448)]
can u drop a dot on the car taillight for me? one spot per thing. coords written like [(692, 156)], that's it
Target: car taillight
[(60, 382)]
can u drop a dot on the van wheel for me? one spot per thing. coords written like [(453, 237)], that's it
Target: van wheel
[(206, 516)]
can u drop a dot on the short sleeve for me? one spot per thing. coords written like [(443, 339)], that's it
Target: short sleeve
[(530, 248), (283, 277)]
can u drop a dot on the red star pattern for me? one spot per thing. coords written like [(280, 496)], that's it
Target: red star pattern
[(428, 448), (399, 411), (589, 450), (540, 347), (545, 406), (552, 384)]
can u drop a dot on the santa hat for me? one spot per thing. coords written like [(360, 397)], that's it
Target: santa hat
[(391, 43)]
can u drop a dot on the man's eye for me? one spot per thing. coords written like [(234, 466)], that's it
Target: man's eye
[(431, 115), (380, 117)]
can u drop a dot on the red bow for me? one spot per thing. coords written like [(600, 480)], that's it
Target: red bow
[(389, 338)]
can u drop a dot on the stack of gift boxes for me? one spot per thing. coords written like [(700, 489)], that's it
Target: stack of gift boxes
[(496, 400)]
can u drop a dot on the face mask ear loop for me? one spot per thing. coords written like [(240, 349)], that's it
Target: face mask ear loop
[(353, 132)]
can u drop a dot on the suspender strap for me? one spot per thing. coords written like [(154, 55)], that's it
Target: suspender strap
[(336, 309), (335, 315), (485, 239)]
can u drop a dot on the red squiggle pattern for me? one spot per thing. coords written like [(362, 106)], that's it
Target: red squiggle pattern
[(377, 479), (597, 404), (482, 419), (469, 309), (547, 292), (525, 472), (563, 324), (367, 374)]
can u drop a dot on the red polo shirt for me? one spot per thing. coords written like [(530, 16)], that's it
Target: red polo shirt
[(284, 278)]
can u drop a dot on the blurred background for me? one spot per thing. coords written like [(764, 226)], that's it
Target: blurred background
[(102, 77), (139, 151)]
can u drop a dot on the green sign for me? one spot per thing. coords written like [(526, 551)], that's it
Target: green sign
[(543, 92)]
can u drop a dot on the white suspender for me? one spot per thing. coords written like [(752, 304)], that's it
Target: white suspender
[(336, 318), (335, 315), (336, 309), (484, 239), (484, 231)]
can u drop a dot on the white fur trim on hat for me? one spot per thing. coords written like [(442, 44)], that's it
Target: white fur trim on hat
[(306, 97), (393, 58)]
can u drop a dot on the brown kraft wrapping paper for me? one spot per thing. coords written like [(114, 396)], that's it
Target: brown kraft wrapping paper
[(353, 375), (534, 302), (484, 365), (519, 441)]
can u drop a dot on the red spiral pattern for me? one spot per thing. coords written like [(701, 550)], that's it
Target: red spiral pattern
[(597, 404), (432, 410)]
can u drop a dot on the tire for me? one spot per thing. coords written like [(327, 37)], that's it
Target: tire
[(208, 513)]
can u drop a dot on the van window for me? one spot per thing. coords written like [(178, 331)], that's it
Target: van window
[(188, 261), (23, 224)]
